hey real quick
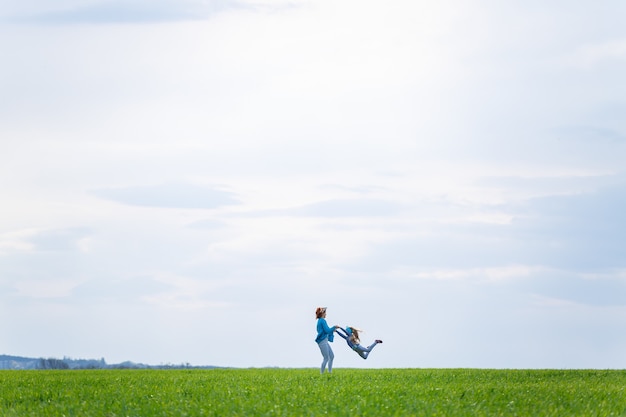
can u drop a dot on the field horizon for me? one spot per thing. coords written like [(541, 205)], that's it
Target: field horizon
[(17, 362)]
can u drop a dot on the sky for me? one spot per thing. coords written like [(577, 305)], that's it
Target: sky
[(185, 181)]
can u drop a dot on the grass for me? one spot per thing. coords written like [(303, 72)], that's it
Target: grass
[(303, 392)]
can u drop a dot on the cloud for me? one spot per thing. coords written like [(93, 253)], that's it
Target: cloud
[(605, 290), (574, 231), (42, 274), (56, 240), (595, 54), (16, 241), (207, 224), (119, 290), (120, 11), (348, 208), (185, 196), (70, 239), (590, 133)]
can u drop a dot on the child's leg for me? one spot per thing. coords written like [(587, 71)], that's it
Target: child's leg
[(370, 347), (364, 352), (361, 351)]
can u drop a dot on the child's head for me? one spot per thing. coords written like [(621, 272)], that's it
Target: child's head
[(354, 333)]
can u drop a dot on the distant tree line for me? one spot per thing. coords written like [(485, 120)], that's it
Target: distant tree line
[(18, 362), (52, 363)]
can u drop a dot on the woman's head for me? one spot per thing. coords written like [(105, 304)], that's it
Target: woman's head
[(320, 312)]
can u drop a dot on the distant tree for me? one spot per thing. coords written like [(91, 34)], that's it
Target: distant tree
[(52, 363)]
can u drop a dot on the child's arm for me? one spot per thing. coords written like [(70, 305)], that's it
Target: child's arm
[(342, 333)]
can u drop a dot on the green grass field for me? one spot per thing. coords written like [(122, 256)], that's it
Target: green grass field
[(304, 392)]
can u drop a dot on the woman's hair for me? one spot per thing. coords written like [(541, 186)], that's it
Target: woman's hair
[(319, 312)]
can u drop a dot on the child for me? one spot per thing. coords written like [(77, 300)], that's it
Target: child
[(351, 334)]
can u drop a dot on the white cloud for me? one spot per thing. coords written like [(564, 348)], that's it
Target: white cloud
[(594, 54), (113, 11), (169, 196), (45, 288), (16, 241)]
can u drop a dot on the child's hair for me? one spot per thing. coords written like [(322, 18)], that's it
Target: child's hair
[(319, 312), (354, 336)]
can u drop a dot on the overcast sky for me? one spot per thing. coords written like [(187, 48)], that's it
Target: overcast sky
[(185, 181)]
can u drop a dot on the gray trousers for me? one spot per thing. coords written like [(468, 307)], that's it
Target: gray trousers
[(328, 355), (364, 351)]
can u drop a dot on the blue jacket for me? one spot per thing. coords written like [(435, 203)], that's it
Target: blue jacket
[(323, 331)]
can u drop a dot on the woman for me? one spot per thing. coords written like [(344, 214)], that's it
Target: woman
[(351, 334), (325, 334)]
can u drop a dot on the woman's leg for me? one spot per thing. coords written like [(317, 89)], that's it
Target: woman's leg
[(331, 357), (327, 354)]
